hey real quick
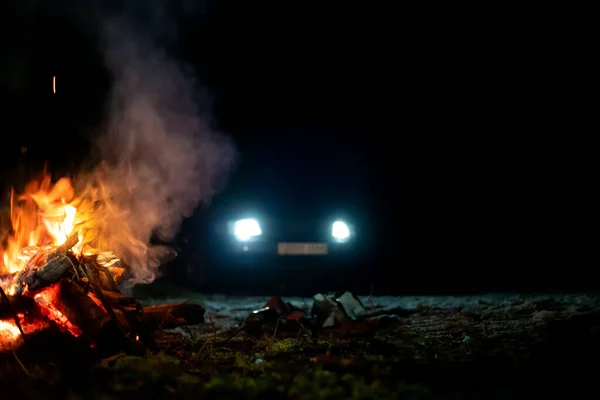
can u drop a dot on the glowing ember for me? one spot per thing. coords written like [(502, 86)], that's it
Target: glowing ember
[(97, 301), (9, 330), (45, 300), (10, 336)]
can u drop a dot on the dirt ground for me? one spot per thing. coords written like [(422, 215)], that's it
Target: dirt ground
[(495, 346)]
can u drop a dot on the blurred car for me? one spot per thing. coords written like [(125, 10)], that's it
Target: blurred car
[(253, 250), (290, 220), (248, 240)]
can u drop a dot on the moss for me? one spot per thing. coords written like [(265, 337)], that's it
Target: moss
[(240, 385), (323, 384), (284, 346), (251, 362)]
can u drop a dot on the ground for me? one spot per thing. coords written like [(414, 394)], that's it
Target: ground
[(495, 346)]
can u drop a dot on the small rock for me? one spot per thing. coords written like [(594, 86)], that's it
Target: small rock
[(352, 306), (328, 311), (544, 316)]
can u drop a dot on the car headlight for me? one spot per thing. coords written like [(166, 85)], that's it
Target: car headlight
[(340, 230), (245, 229)]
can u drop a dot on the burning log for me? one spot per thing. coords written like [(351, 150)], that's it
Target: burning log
[(80, 309), (160, 316), (46, 267), (120, 301), (95, 322), (62, 287), (173, 315)]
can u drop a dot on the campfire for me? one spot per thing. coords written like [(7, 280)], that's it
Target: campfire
[(57, 274)]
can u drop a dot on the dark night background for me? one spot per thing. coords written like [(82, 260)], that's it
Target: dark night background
[(461, 144)]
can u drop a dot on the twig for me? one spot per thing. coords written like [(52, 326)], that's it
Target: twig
[(20, 363), (203, 346), (212, 324), (85, 275), (15, 317), (302, 329), (370, 298), (235, 333), (74, 267), (68, 244), (276, 326), (187, 327), (107, 305)]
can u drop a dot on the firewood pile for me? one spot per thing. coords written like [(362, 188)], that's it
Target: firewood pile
[(78, 295)]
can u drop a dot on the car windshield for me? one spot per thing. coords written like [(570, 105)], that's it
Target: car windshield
[(298, 172)]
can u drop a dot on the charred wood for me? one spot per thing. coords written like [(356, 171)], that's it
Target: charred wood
[(120, 301), (125, 320), (80, 309), (68, 244), (163, 316), (96, 324), (46, 267), (16, 304), (25, 273), (54, 269), (168, 316)]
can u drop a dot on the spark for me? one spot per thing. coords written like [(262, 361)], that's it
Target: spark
[(54, 84)]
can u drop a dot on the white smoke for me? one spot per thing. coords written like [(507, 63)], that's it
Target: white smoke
[(160, 157)]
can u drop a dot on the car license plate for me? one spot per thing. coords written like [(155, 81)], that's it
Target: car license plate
[(299, 249)]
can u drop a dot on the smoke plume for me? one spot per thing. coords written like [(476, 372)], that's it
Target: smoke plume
[(159, 157)]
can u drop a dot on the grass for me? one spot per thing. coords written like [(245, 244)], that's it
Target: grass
[(490, 352)]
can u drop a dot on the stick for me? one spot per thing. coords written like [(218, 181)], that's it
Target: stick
[(68, 245), (46, 267), (5, 298), (107, 305), (20, 363), (235, 333), (276, 326), (173, 315), (213, 325)]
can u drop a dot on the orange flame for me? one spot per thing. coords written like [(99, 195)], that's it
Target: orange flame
[(10, 335), (41, 216), (44, 216), (8, 330)]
